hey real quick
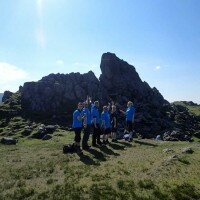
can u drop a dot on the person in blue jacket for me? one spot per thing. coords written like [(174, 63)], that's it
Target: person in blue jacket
[(95, 124), (86, 125), (130, 114), (106, 125), (77, 126)]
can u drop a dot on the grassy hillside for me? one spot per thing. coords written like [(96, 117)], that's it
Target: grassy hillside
[(35, 169), (195, 109)]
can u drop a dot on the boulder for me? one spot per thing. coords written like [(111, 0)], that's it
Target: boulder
[(166, 150), (47, 137), (9, 141), (50, 128), (6, 96), (176, 136), (187, 150)]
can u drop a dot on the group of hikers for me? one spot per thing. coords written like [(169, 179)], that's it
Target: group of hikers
[(87, 117)]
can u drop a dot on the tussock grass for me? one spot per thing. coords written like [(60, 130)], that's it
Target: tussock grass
[(35, 169)]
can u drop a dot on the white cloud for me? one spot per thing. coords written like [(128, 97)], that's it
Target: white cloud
[(157, 68), (11, 77), (59, 62)]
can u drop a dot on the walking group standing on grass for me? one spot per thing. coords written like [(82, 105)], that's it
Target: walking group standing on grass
[(87, 117)]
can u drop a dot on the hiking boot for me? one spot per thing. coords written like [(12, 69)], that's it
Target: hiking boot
[(79, 151), (104, 142)]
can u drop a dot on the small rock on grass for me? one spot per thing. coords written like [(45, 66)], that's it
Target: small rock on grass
[(47, 137), (187, 150), (168, 150)]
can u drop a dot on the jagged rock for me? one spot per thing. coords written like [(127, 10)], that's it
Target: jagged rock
[(187, 150), (197, 134), (176, 136), (47, 137), (58, 93), (53, 99), (9, 141), (171, 158), (38, 135), (50, 128), (6, 96), (26, 132), (168, 150)]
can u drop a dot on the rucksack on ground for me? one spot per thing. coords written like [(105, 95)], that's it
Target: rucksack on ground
[(69, 148)]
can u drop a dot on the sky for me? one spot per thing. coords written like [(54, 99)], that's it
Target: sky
[(161, 38)]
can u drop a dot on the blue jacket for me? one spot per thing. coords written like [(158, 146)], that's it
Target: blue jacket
[(105, 116), (130, 112), (77, 119), (87, 113), (95, 114)]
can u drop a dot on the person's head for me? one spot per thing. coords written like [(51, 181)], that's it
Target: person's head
[(129, 104), (80, 105), (96, 103), (105, 108), (113, 108)]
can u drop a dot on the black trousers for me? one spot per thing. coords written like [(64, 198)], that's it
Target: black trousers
[(77, 135), (86, 135), (129, 126), (96, 134)]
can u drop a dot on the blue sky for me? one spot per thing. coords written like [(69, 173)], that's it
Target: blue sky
[(161, 38)]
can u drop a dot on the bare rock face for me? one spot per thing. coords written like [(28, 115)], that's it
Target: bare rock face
[(6, 96), (58, 93), (121, 81)]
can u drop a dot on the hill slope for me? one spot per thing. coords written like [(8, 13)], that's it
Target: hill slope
[(137, 170), (192, 107)]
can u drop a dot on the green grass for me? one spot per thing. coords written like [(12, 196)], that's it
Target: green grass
[(194, 109), (35, 169)]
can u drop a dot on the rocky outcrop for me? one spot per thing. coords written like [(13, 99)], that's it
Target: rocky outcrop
[(6, 95), (53, 98), (58, 93)]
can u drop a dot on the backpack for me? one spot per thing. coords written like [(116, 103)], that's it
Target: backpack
[(69, 148)]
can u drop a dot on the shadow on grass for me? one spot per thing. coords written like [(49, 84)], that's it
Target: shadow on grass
[(97, 154), (116, 146), (108, 151), (145, 143), (127, 144), (87, 160)]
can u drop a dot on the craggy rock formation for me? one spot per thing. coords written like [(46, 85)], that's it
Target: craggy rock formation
[(54, 97), (122, 83), (58, 93), (6, 95)]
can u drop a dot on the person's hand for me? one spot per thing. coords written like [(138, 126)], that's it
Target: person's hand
[(85, 125)]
